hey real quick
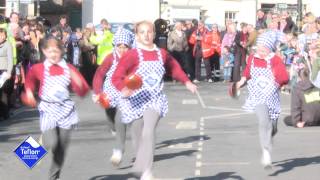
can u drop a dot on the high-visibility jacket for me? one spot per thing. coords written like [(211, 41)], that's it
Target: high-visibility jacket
[(216, 43), (206, 43), (104, 43)]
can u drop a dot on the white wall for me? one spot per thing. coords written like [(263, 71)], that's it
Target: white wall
[(119, 10)]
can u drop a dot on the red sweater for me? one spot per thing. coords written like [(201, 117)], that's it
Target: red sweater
[(129, 63), (277, 66), (36, 74), (100, 74)]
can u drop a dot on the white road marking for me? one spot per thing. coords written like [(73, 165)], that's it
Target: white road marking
[(199, 156), (302, 131), (189, 101), (200, 143), (181, 146), (226, 163), (197, 173), (226, 115), (200, 149), (198, 164), (227, 132), (186, 125), (200, 99), (201, 133), (224, 108)]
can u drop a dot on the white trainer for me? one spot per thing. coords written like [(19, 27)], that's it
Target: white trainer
[(266, 159), (116, 157), (147, 175)]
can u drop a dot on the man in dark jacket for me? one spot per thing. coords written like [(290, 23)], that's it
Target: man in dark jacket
[(305, 103)]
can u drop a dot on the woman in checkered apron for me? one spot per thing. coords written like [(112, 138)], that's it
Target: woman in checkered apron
[(143, 108), (102, 84), (57, 110), (265, 73)]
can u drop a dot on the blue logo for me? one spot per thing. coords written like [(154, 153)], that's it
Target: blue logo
[(30, 152)]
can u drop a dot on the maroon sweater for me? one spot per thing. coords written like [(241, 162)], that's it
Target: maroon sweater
[(129, 63)]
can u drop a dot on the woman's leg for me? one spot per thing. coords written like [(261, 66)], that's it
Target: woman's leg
[(144, 158), (265, 132), (120, 139), (111, 113)]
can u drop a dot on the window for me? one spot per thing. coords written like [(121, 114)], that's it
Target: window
[(2, 7), (230, 15)]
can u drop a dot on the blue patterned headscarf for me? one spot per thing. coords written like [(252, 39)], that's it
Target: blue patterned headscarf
[(271, 39), (123, 36)]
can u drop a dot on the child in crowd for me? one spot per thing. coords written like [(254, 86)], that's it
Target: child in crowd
[(226, 61)]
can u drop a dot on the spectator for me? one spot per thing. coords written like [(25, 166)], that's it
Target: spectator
[(305, 103), (202, 41), (62, 26), (103, 38), (6, 66), (261, 21), (178, 45)]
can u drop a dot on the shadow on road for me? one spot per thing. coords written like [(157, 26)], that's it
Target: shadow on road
[(189, 139), (219, 176), (5, 134), (160, 157), (114, 177), (290, 164)]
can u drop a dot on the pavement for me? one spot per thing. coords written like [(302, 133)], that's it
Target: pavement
[(204, 137)]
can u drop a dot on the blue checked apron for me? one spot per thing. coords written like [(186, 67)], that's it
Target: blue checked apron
[(263, 89), (108, 87), (150, 95), (56, 108)]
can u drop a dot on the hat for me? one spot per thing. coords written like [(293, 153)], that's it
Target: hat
[(123, 36), (271, 39)]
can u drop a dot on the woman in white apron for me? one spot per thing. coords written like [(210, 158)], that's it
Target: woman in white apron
[(143, 108), (265, 73), (56, 109), (102, 84)]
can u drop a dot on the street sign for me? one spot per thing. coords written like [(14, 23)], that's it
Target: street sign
[(282, 5)]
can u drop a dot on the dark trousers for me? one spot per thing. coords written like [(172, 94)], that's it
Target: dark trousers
[(206, 61), (215, 66), (181, 57), (239, 64), (5, 94)]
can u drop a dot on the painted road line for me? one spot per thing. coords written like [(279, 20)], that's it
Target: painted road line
[(181, 146), (198, 164), (197, 172), (224, 108), (227, 115), (226, 163), (186, 125), (199, 156), (302, 131), (227, 132), (200, 99), (200, 143), (189, 101)]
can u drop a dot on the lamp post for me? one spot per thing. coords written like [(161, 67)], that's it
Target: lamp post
[(38, 8), (299, 19)]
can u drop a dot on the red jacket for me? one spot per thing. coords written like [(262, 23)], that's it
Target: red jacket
[(206, 43), (278, 68)]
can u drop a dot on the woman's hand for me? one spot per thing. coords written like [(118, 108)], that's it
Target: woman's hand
[(241, 83), (126, 92), (191, 87), (95, 98)]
